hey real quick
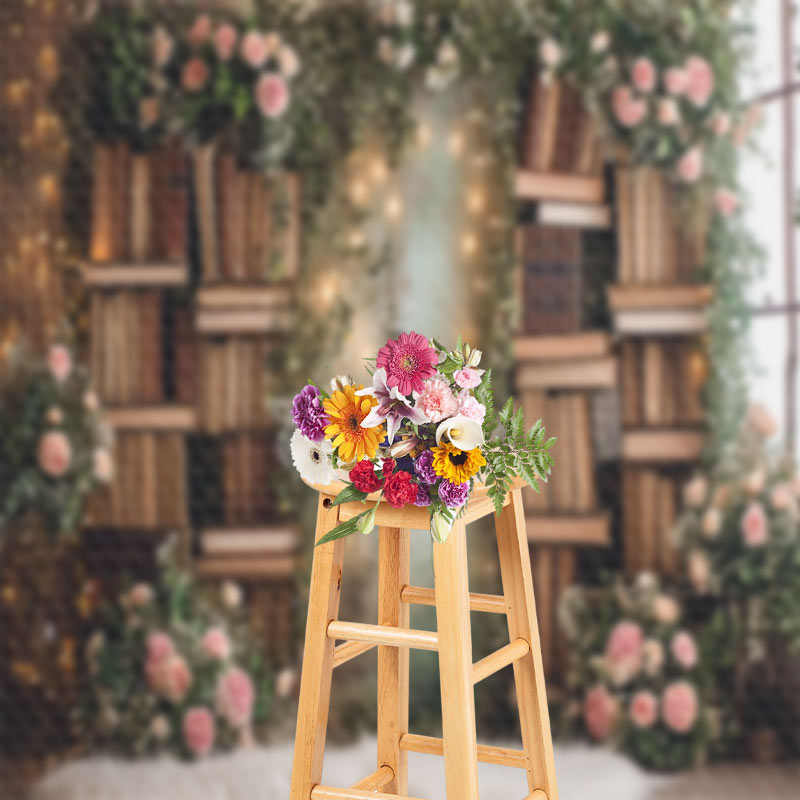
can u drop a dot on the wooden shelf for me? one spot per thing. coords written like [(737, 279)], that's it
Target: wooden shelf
[(559, 187), (578, 373), (661, 322), (135, 276), (152, 418), (245, 568), (585, 216), (662, 446), (224, 321), (252, 541), (586, 344), (667, 298), (584, 530), (239, 296)]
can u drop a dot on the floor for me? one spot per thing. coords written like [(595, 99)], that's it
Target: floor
[(584, 773)]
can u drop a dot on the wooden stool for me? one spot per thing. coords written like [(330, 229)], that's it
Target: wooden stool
[(452, 640)]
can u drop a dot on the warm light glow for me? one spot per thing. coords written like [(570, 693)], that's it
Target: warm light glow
[(378, 171), (47, 62), (48, 188), (358, 193), (16, 91), (698, 368), (394, 208), (328, 289), (455, 144), (424, 135), (476, 201), (357, 239), (469, 244)]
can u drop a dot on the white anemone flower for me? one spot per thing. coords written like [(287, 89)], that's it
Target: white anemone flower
[(464, 433), (312, 459)]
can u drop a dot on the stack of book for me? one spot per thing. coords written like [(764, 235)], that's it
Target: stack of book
[(247, 462)]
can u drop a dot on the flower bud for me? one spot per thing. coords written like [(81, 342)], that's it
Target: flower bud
[(366, 523), (440, 528), (474, 358), (339, 382)]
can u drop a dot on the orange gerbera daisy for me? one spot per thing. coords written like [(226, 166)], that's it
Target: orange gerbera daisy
[(346, 412)]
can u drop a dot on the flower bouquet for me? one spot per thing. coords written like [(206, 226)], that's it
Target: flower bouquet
[(422, 434)]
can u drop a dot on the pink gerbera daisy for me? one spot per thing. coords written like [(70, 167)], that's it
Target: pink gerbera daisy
[(408, 360)]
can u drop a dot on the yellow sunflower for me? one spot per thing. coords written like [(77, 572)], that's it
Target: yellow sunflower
[(346, 412), (457, 466)]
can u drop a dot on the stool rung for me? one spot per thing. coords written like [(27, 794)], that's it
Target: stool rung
[(330, 793), (376, 781), (348, 651), (539, 794), (505, 756), (418, 595), (512, 652), (383, 634)]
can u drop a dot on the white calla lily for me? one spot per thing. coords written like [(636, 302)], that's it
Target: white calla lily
[(462, 432)]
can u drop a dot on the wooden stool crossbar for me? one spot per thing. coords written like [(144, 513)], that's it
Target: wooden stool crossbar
[(452, 640)]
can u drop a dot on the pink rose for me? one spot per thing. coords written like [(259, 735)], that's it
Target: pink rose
[(700, 83), (676, 80), (235, 697), (679, 707), (721, 123), (782, 497), (550, 53), (711, 523), (194, 74), (162, 46), (684, 650), (140, 594), (726, 201), (761, 421), (225, 37), (628, 110), (624, 651), (199, 730), (690, 165), (200, 30), (437, 401), (216, 644), (468, 377), (643, 74), (644, 709), (253, 49), (599, 713), (289, 61), (754, 526), (59, 362), (668, 113), (54, 454), (272, 95), (666, 609), (159, 646), (699, 570), (170, 677), (469, 407)]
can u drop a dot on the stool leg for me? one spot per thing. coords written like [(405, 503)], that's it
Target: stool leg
[(515, 569), (393, 574), (315, 683), (455, 665)]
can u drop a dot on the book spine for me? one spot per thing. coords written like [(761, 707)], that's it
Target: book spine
[(204, 186), (140, 207), (100, 248)]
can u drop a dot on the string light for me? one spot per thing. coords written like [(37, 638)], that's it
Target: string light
[(424, 135), (476, 201), (357, 240), (378, 171), (358, 193), (394, 207), (469, 244), (455, 144)]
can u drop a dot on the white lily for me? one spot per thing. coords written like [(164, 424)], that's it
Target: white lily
[(462, 432), (440, 528)]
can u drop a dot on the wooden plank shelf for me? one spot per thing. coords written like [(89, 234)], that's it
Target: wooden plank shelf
[(661, 322), (578, 373), (662, 446), (224, 321), (640, 297), (135, 276), (584, 530), (151, 418), (586, 344), (253, 541), (240, 296), (584, 216), (245, 568), (563, 187)]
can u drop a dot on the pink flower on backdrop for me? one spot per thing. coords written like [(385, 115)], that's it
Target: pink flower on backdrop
[(684, 650), (699, 570), (90, 401), (162, 47), (200, 30), (700, 84), (225, 37), (690, 165), (668, 112), (761, 420), (102, 465), (159, 646), (628, 110), (170, 677), (468, 377), (272, 95), (666, 609), (54, 454), (623, 651), (199, 730), (643, 709), (726, 201), (652, 657), (753, 482), (436, 400), (194, 74), (721, 123), (695, 491), (140, 594), (550, 53), (253, 49), (755, 529), (643, 74), (289, 61), (59, 362), (235, 697), (409, 360), (711, 523), (216, 644), (782, 498), (676, 80), (149, 112), (469, 407), (679, 707), (599, 713)]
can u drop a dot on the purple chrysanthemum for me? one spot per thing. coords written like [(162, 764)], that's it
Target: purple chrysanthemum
[(453, 495), (309, 415), (423, 466), (423, 498)]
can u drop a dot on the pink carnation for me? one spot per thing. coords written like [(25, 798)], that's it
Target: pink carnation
[(726, 201), (684, 650), (216, 644), (700, 82), (468, 377), (469, 407), (200, 30), (599, 713), (679, 707), (643, 709), (199, 730), (253, 49), (643, 74), (59, 362), (628, 110), (690, 165), (194, 74), (676, 80), (235, 697), (225, 37), (437, 401), (54, 454), (755, 530), (272, 95), (624, 651)]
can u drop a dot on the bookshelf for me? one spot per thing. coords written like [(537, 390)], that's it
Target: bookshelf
[(131, 276)]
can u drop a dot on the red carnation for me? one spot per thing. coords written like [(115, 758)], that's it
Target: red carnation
[(399, 490), (388, 467), (364, 478)]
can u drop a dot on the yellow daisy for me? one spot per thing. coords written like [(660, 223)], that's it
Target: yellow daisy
[(457, 466), (346, 412)]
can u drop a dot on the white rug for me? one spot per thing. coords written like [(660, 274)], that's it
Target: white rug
[(584, 773)]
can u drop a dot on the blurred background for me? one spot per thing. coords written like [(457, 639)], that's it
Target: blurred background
[(206, 204)]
